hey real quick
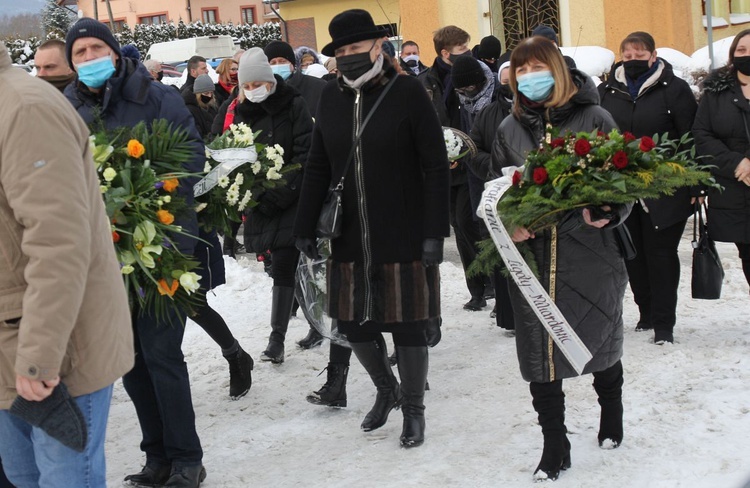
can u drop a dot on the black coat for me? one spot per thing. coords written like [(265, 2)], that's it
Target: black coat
[(130, 97), (221, 95), (483, 134), (665, 104), (590, 273), (309, 87), (203, 117), (283, 119), (407, 69), (721, 133), (208, 253), (396, 194)]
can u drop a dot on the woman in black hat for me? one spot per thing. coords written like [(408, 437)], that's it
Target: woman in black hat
[(383, 272)]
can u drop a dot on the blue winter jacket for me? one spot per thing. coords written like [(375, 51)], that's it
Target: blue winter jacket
[(131, 96)]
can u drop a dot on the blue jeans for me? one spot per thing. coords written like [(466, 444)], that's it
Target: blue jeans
[(32, 459), (159, 386)]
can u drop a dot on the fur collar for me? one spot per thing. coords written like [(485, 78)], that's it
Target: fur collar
[(719, 80)]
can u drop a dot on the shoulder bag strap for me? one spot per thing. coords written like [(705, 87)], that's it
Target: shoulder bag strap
[(340, 185)]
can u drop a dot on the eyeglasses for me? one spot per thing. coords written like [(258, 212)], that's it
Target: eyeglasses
[(467, 89)]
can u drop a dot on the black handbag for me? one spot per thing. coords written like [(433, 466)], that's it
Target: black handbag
[(708, 273), (329, 220)]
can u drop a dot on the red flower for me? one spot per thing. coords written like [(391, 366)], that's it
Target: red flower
[(628, 137), (557, 142), (620, 159), (540, 176), (582, 147), (647, 144), (517, 178), (602, 134), (115, 236)]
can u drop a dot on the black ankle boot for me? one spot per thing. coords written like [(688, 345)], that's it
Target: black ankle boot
[(152, 474), (186, 476), (608, 386), (374, 357), (413, 363), (312, 339), (240, 374), (281, 310), (333, 393), (549, 402)]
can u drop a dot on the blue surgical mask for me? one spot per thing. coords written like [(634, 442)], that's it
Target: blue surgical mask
[(95, 73), (536, 86), (283, 70)]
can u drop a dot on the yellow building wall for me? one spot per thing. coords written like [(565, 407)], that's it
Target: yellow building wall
[(582, 23), (721, 9), (419, 19)]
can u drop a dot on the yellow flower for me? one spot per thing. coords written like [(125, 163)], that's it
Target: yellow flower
[(127, 269), (171, 184), (189, 282), (109, 174), (135, 149), (165, 217)]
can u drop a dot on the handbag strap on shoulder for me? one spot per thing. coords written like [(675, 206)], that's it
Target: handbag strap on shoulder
[(340, 185)]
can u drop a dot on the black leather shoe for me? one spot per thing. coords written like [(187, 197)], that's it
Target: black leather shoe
[(152, 475), (475, 304), (186, 476), (312, 339), (663, 336)]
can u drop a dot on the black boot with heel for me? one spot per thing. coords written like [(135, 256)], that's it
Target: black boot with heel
[(413, 363), (549, 403), (608, 386), (281, 310), (374, 358)]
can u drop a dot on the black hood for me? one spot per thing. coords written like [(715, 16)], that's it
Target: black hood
[(587, 94), (720, 80)]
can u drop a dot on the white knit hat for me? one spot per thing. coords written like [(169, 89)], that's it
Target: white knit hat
[(254, 67)]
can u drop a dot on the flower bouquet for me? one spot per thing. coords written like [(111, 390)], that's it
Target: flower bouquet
[(455, 142), (238, 171), (139, 171), (595, 169)]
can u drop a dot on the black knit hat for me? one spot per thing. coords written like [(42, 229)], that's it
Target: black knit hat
[(349, 27), (87, 27), (545, 31), (280, 49), (490, 48), (466, 71)]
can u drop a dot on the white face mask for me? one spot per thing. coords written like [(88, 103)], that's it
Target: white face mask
[(257, 95)]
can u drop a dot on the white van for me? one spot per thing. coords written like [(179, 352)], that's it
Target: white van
[(180, 50)]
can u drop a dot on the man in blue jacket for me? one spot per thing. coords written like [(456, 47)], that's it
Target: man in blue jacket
[(120, 92)]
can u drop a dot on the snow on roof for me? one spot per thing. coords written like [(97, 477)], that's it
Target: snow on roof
[(700, 60), (592, 60)]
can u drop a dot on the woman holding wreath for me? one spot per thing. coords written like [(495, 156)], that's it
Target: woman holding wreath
[(383, 272), (578, 260)]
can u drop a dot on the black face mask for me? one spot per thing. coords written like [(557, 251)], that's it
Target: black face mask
[(159, 75), (206, 99), (354, 65), (411, 63), (742, 64), (506, 92), (454, 57), (636, 68)]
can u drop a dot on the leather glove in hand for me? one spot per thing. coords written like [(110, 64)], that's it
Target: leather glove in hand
[(308, 247), (432, 252)]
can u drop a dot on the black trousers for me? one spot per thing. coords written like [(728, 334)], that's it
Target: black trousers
[(744, 249), (466, 229), (284, 266), (503, 304), (655, 272)]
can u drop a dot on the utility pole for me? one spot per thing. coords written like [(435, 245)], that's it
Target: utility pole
[(111, 18), (96, 10), (710, 31)]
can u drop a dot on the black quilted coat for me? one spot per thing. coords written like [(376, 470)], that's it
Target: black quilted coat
[(588, 270)]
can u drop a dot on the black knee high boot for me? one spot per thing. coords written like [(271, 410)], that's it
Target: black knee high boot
[(281, 309), (608, 386), (549, 403), (374, 357), (413, 363)]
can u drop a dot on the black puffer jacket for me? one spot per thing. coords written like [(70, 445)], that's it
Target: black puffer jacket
[(203, 117), (283, 119), (588, 270), (665, 104), (483, 134), (721, 133)]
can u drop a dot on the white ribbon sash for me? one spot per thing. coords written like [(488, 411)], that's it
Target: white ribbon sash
[(545, 309), (229, 159)]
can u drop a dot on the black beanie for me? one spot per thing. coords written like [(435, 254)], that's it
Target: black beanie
[(490, 47), (280, 49), (545, 31), (466, 71), (87, 27)]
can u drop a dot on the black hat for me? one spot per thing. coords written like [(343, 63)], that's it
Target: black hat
[(466, 71), (280, 49), (87, 27), (490, 48), (349, 27), (545, 31)]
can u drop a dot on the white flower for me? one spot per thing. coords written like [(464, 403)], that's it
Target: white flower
[(109, 174), (239, 179), (166, 198), (279, 149), (273, 174), (256, 167), (127, 269), (207, 167), (103, 189), (245, 200), (189, 281), (224, 181), (233, 194), (452, 144), (200, 207)]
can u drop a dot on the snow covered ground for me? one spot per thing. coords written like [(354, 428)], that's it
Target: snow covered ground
[(687, 408)]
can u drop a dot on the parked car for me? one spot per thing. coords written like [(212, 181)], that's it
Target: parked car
[(180, 50)]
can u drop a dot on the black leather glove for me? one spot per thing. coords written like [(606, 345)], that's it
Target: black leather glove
[(308, 247), (432, 252)]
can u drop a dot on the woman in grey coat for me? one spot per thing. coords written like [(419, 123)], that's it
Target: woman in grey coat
[(580, 255)]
